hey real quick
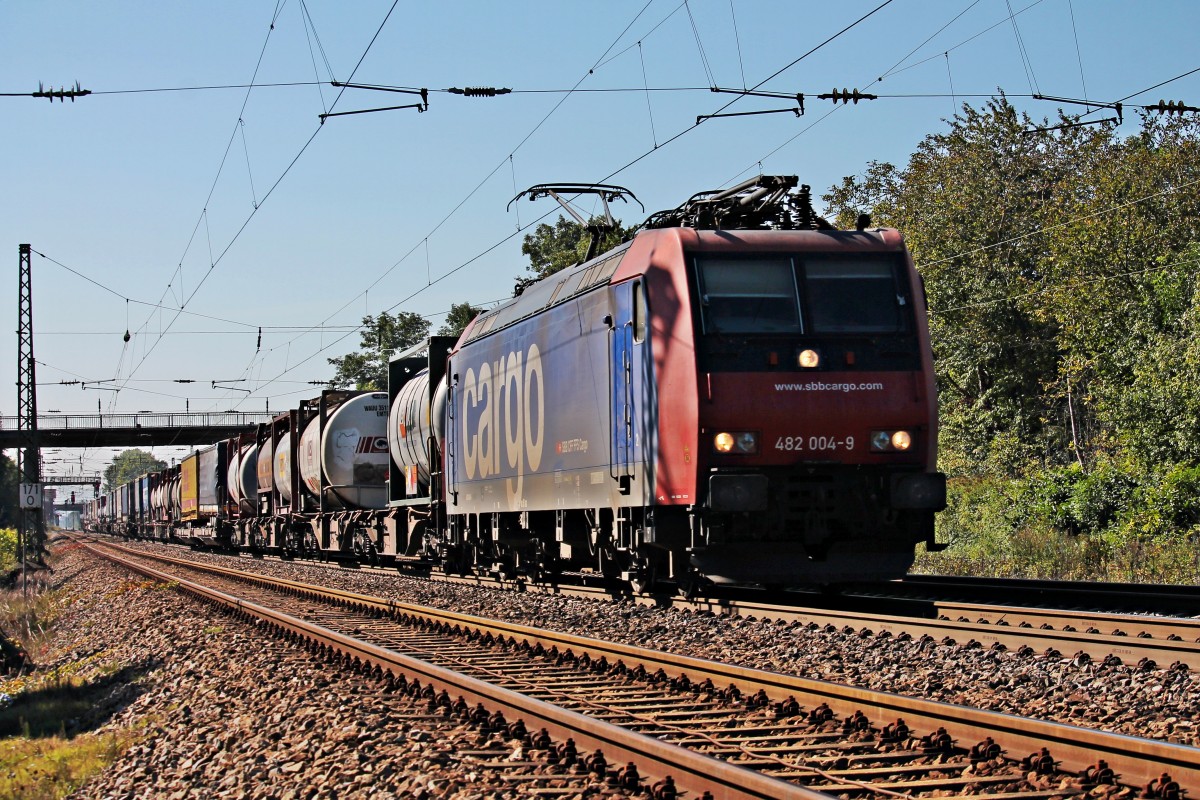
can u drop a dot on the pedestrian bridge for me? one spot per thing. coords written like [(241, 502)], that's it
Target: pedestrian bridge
[(134, 430)]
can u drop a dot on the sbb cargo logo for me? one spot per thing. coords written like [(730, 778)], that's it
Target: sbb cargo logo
[(503, 415)]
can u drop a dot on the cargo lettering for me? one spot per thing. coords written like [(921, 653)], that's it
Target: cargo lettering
[(504, 418)]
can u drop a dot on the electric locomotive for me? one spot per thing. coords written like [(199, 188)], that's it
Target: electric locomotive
[(739, 394)]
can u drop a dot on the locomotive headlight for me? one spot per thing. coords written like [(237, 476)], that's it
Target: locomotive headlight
[(890, 441), (740, 443), (809, 359), (746, 442)]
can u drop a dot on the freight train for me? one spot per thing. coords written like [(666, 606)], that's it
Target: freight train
[(739, 393)]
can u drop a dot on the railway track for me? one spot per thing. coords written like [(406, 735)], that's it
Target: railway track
[(1148, 641), (1132, 639), (1113, 597), (727, 730)]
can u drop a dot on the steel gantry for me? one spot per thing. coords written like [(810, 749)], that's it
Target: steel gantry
[(31, 534)]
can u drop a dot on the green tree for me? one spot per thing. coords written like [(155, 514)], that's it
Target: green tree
[(965, 205), (9, 501), (1059, 283), (458, 319), (565, 244), (380, 337), (128, 465)]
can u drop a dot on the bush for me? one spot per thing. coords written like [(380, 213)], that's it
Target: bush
[(1101, 498), (8, 549), (1115, 523)]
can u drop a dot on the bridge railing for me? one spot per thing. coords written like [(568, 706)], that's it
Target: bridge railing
[(217, 419)]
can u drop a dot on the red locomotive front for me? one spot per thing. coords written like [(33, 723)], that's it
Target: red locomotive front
[(797, 406)]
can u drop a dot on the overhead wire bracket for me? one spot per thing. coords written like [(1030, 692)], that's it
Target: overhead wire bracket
[(797, 111), (421, 107), (798, 97), (1077, 122), (1171, 107)]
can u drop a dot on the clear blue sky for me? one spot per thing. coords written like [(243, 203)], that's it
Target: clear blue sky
[(144, 191)]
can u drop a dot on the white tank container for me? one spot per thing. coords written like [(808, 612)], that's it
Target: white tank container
[(263, 477), (351, 451), (247, 478), (409, 426), (231, 474), (282, 467), (242, 474), (309, 454)]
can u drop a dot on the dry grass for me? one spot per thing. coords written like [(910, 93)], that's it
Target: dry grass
[(53, 767), (50, 744)]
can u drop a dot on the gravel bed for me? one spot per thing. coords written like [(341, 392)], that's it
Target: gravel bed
[(227, 712), (1152, 703)]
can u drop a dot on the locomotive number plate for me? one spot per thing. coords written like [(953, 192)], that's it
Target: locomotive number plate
[(814, 443)]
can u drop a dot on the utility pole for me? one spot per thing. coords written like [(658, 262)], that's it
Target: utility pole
[(30, 534)]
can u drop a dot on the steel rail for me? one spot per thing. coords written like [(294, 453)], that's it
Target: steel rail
[(1118, 634), (1119, 625), (1096, 645), (692, 772), (1161, 598), (1137, 760)]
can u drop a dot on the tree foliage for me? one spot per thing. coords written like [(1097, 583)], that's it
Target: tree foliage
[(129, 465), (9, 500), (1061, 273), (458, 319), (380, 337), (562, 245)]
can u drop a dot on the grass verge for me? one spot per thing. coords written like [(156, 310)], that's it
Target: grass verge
[(51, 739)]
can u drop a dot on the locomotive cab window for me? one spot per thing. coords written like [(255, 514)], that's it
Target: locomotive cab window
[(748, 295), (853, 296)]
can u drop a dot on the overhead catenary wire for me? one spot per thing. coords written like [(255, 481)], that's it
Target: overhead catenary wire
[(610, 175), (325, 347), (737, 39), (1057, 226), (273, 187), (581, 89), (1090, 281), (1078, 50), (712, 81), (469, 195), (1026, 62)]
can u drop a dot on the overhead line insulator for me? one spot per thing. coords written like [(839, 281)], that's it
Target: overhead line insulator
[(478, 91), (847, 96), (1171, 107), (60, 93)]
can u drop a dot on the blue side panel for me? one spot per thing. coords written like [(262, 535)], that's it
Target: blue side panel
[(531, 413)]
